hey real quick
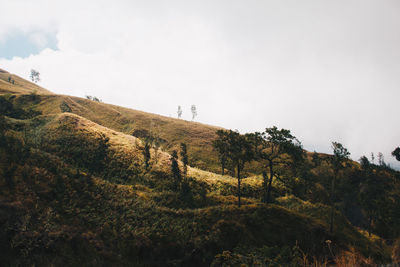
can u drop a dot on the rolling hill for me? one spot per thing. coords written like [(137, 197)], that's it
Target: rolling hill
[(74, 190)]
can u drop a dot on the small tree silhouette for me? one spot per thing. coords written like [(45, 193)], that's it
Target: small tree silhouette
[(396, 153), (176, 172), (340, 156), (194, 111), (221, 146), (179, 112), (35, 76)]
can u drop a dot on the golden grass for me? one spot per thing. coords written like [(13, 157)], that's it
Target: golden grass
[(20, 86), (212, 178), (130, 145), (197, 136)]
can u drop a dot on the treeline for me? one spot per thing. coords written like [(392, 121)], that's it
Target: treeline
[(367, 194)]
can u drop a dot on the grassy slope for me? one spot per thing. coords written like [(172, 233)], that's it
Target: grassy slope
[(124, 144), (254, 224), (20, 86), (171, 131), (101, 223)]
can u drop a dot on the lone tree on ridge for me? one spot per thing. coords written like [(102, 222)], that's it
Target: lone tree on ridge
[(35, 76)]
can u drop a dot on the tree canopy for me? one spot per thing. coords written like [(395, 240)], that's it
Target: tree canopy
[(277, 147), (396, 153)]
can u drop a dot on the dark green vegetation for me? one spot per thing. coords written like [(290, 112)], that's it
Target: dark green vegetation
[(86, 183)]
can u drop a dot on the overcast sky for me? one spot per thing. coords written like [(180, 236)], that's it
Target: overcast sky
[(326, 70)]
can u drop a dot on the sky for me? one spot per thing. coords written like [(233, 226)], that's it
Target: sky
[(326, 70)]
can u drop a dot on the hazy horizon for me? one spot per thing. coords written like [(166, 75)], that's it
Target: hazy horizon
[(328, 71)]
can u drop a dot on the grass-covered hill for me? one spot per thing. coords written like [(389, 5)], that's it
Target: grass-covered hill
[(11, 83), (171, 132), (75, 190)]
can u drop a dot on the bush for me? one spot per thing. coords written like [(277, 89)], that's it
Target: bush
[(64, 107)]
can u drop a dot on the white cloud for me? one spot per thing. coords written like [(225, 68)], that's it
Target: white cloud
[(326, 70)]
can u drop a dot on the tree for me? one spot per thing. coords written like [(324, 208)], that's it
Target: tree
[(381, 160), (340, 156), (368, 193), (316, 160), (156, 146), (277, 147), (194, 111), (185, 159), (179, 112), (396, 153), (365, 163), (149, 141), (35, 76), (176, 172), (374, 194), (146, 153), (239, 151), (220, 144), (93, 98)]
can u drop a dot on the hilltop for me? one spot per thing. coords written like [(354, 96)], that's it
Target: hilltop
[(75, 189)]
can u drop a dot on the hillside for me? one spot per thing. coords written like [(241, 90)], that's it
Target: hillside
[(75, 189), (132, 122), (11, 83)]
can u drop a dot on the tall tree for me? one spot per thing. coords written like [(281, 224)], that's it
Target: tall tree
[(146, 153), (194, 111), (277, 147), (396, 153), (338, 160), (221, 146), (239, 152), (368, 190), (35, 76), (176, 172), (179, 112), (381, 159), (185, 159)]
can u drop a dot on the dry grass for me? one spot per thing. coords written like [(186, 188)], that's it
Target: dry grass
[(212, 178), (20, 86), (172, 131), (130, 145)]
